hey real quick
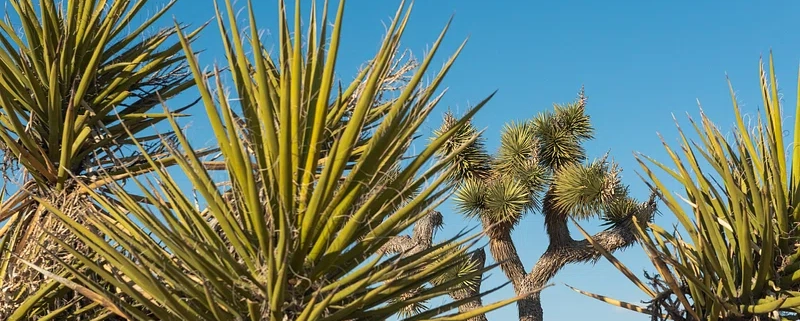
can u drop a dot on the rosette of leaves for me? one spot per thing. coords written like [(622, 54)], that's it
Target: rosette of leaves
[(80, 80), (296, 231), (736, 257)]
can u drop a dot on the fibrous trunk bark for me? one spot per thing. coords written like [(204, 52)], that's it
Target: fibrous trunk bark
[(504, 252)]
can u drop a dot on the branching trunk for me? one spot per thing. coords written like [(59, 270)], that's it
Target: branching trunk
[(559, 255), (563, 250), (421, 239)]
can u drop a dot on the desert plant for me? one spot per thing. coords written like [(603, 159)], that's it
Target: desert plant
[(541, 165), (74, 77), (421, 239), (740, 211), (296, 231)]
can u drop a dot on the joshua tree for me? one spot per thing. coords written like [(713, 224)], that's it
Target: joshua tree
[(541, 166)]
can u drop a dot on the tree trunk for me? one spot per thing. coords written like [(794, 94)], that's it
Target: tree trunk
[(504, 252), (530, 309), (469, 305), (421, 239), (479, 257), (563, 250), (559, 255)]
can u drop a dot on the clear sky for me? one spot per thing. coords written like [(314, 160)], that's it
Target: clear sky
[(641, 62)]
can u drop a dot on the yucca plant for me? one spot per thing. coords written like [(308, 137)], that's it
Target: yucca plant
[(74, 77), (740, 212), (297, 229), (541, 166)]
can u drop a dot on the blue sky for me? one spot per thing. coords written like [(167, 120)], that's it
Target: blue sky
[(640, 61)]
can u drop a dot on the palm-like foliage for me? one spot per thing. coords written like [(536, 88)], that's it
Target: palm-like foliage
[(73, 77), (309, 202), (740, 261), (541, 165)]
